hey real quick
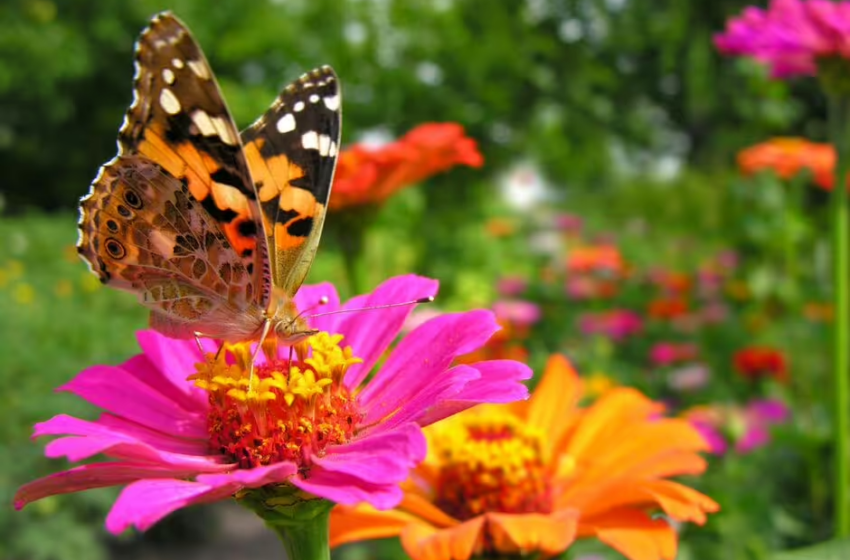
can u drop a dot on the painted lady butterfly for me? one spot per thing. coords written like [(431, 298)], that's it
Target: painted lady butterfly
[(214, 231)]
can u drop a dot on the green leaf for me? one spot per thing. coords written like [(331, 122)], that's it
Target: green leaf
[(830, 550)]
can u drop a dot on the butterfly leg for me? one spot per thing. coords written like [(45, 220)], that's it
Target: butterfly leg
[(267, 325)]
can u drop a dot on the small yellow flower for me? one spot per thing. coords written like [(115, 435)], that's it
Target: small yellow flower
[(597, 384), (24, 294)]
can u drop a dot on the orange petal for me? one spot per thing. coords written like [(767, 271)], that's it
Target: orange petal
[(361, 523), (421, 507), (616, 409), (533, 532), (424, 542), (634, 534), (557, 393)]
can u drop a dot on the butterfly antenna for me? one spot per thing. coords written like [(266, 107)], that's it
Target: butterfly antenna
[(427, 299)]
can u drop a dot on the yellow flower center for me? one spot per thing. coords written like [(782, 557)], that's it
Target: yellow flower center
[(284, 411), (489, 462)]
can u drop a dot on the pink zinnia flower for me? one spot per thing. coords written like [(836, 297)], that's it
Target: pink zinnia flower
[(616, 324), (790, 35), (668, 353), (517, 312), (320, 423), (747, 426)]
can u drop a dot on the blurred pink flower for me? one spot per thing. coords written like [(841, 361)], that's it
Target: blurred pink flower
[(568, 223), (517, 312), (668, 353), (689, 378), (748, 427), (790, 35), (511, 286), (616, 324), (182, 429)]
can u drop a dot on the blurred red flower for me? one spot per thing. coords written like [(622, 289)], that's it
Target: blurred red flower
[(761, 361), (667, 308), (367, 176), (789, 156)]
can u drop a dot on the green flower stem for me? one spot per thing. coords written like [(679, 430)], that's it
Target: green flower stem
[(839, 119), (301, 521)]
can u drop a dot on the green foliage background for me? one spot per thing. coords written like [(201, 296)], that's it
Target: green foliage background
[(594, 92)]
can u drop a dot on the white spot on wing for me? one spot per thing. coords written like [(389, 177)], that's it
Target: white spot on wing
[(332, 102), (298, 107), (200, 69), (177, 63), (168, 75), (310, 140), (325, 144), (333, 149), (286, 123), (225, 131), (203, 122), (314, 98), (169, 102)]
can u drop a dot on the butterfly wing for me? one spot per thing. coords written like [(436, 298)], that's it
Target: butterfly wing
[(179, 119), (142, 231), (179, 140), (292, 151)]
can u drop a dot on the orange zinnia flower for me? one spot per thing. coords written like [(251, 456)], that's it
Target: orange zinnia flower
[(370, 176), (595, 258), (788, 156), (667, 308), (534, 476)]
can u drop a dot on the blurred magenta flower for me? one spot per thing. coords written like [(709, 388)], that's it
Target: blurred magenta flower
[(754, 422), (321, 422), (511, 286), (790, 36), (517, 312), (616, 324), (746, 427), (570, 224), (668, 353)]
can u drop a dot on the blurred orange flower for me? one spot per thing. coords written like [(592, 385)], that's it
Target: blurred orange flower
[(367, 176), (788, 156), (595, 258), (531, 477)]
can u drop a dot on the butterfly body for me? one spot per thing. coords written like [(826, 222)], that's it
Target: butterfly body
[(214, 231)]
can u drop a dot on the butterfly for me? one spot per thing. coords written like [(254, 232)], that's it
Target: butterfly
[(214, 230)]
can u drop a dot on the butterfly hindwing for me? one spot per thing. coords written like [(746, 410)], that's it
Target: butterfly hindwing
[(179, 120), (142, 231), (292, 151)]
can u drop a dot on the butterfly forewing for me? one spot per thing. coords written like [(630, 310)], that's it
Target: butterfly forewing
[(179, 120), (292, 151)]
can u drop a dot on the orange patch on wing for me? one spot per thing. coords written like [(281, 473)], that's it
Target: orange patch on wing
[(283, 240)]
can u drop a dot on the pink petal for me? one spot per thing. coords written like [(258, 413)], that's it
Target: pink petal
[(191, 399), (422, 356), (370, 333), (114, 390), (252, 478), (165, 442), (411, 409), (86, 477), (307, 302), (348, 490), (143, 503), (174, 358), (387, 456), (499, 382)]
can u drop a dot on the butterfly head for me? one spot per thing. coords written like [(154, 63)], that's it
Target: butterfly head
[(293, 330)]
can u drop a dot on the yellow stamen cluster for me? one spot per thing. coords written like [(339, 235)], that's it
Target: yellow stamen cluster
[(489, 461), (279, 410)]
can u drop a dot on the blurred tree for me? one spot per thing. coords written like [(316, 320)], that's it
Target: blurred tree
[(558, 81)]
